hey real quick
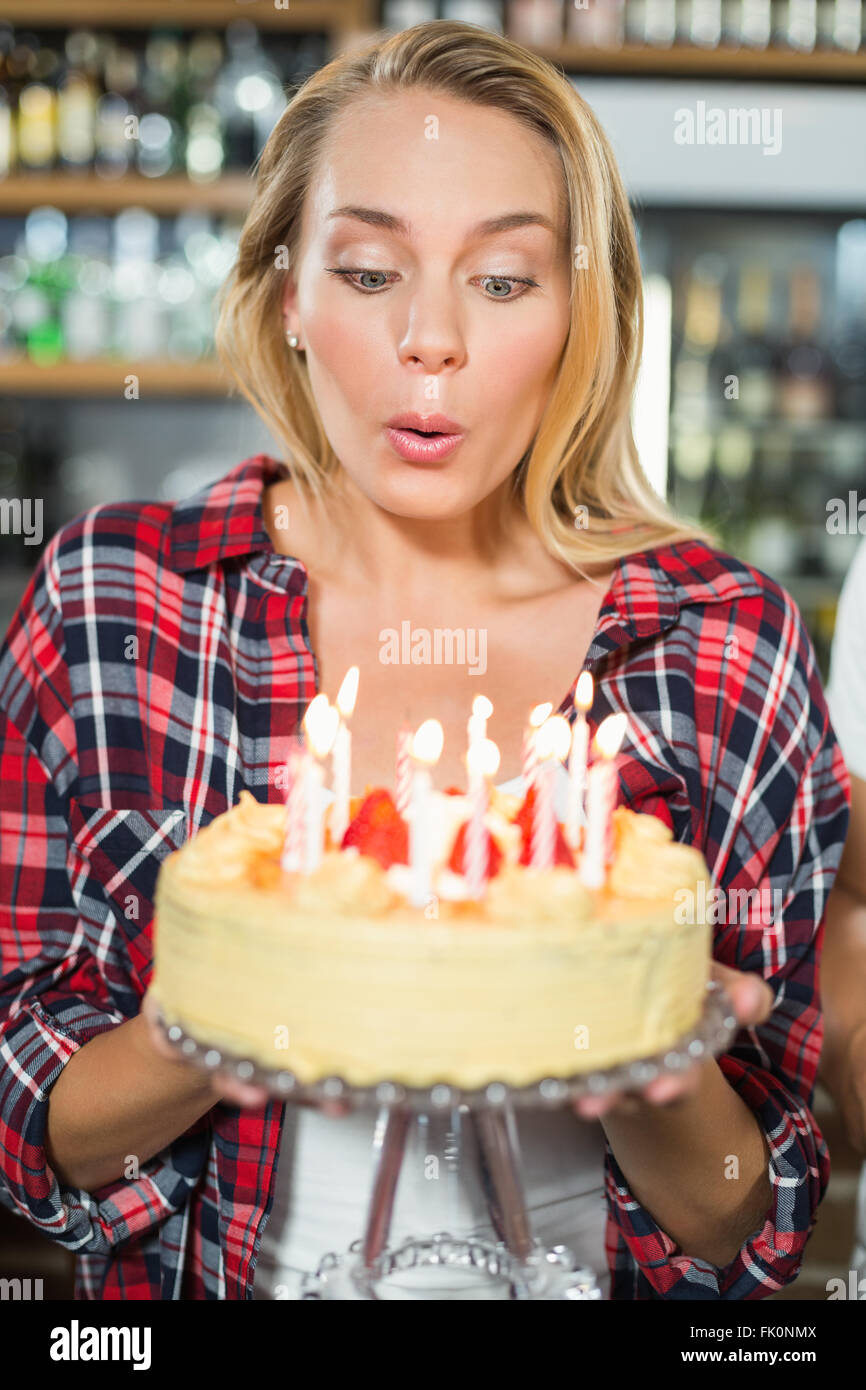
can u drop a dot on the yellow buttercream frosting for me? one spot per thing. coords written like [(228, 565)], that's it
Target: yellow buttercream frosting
[(335, 973)]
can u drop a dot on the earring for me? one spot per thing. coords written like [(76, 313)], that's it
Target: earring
[(293, 339)]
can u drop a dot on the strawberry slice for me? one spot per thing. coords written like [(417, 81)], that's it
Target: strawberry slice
[(458, 850), (561, 853), (378, 830)]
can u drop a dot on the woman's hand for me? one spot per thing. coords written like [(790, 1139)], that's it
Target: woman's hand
[(225, 1086), (752, 1000)]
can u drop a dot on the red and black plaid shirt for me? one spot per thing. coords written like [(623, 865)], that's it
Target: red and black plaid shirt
[(159, 662)]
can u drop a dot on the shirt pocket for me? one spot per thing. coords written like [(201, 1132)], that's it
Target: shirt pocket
[(113, 859)]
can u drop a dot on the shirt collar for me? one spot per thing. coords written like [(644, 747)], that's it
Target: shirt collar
[(225, 520)]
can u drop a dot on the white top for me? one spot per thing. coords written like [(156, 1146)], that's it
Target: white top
[(846, 698), (325, 1169)]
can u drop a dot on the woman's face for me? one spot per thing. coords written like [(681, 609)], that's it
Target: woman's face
[(434, 318)]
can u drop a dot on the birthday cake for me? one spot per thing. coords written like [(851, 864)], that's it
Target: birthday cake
[(337, 971)]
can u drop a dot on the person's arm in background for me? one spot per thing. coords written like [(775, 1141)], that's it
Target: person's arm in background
[(842, 1068)]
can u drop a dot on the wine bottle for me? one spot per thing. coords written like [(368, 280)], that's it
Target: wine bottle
[(804, 381), (751, 358)]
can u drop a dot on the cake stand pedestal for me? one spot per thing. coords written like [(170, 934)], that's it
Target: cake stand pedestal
[(519, 1260)]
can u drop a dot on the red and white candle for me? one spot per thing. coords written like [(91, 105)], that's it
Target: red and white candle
[(482, 762), (537, 717), (342, 754), (403, 770), (426, 751), (293, 845), (320, 725), (601, 790), (575, 816), (552, 743)]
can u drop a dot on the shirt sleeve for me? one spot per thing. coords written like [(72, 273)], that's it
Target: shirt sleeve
[(846, 691), (774, 818), (53, 997)]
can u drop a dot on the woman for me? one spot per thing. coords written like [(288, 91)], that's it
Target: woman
[(467, 179)]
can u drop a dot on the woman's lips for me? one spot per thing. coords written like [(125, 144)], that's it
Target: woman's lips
[(420, 448)]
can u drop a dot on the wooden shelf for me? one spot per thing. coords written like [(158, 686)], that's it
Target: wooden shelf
[(332, 15), (101, 377), (81, 192), (683, 60)]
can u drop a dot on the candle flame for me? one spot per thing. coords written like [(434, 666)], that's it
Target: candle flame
[(583, 692), (553, 739), (427, 742), (610, 734), (321, 723), (483, 757), (481, 707), (538, 715), (348, 692)]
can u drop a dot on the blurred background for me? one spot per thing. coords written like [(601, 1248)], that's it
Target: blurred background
[(126, 148)]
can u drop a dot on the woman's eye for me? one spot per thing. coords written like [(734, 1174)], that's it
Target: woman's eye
[(498, 282)]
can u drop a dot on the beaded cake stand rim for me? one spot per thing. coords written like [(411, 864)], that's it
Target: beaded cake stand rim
[(566, 1276), (707, 1038)]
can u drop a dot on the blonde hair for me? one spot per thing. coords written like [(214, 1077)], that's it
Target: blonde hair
[(580, 482)]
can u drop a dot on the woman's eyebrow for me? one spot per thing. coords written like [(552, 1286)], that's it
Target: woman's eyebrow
[(508, 221)]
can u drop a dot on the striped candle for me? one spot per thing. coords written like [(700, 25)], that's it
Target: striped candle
[(537, 717), (482, 761), (403, 770)]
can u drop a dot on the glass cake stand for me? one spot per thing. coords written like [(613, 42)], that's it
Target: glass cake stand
[(514, 1265)]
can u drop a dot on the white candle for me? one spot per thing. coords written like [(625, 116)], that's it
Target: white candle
[(601, 786), (537, 717), (482, 761), (342, 754), (552, 742), (320, 725), (577, 759), (426, 750), (476, 728)]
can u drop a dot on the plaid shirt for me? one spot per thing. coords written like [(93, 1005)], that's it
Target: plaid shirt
[(158, 663)]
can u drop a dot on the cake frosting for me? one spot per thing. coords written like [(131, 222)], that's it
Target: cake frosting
[(334, 972)]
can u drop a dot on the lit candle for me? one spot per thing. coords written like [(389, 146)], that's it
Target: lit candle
[(601, 787), (552, 743), (403, 770), (482, 761), (537, 717), (293, 845), (320, 725), (476, 727), (577, 759), (342, 754), (426, 750)]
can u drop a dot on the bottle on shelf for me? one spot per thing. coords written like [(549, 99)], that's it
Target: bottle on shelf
[(750, 357), (796, 24), (840, 25), (536, 21), (699, 22), (804, 382), (249, 95), (77, 95), (747, 23), (598, 24), (698, 382)]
